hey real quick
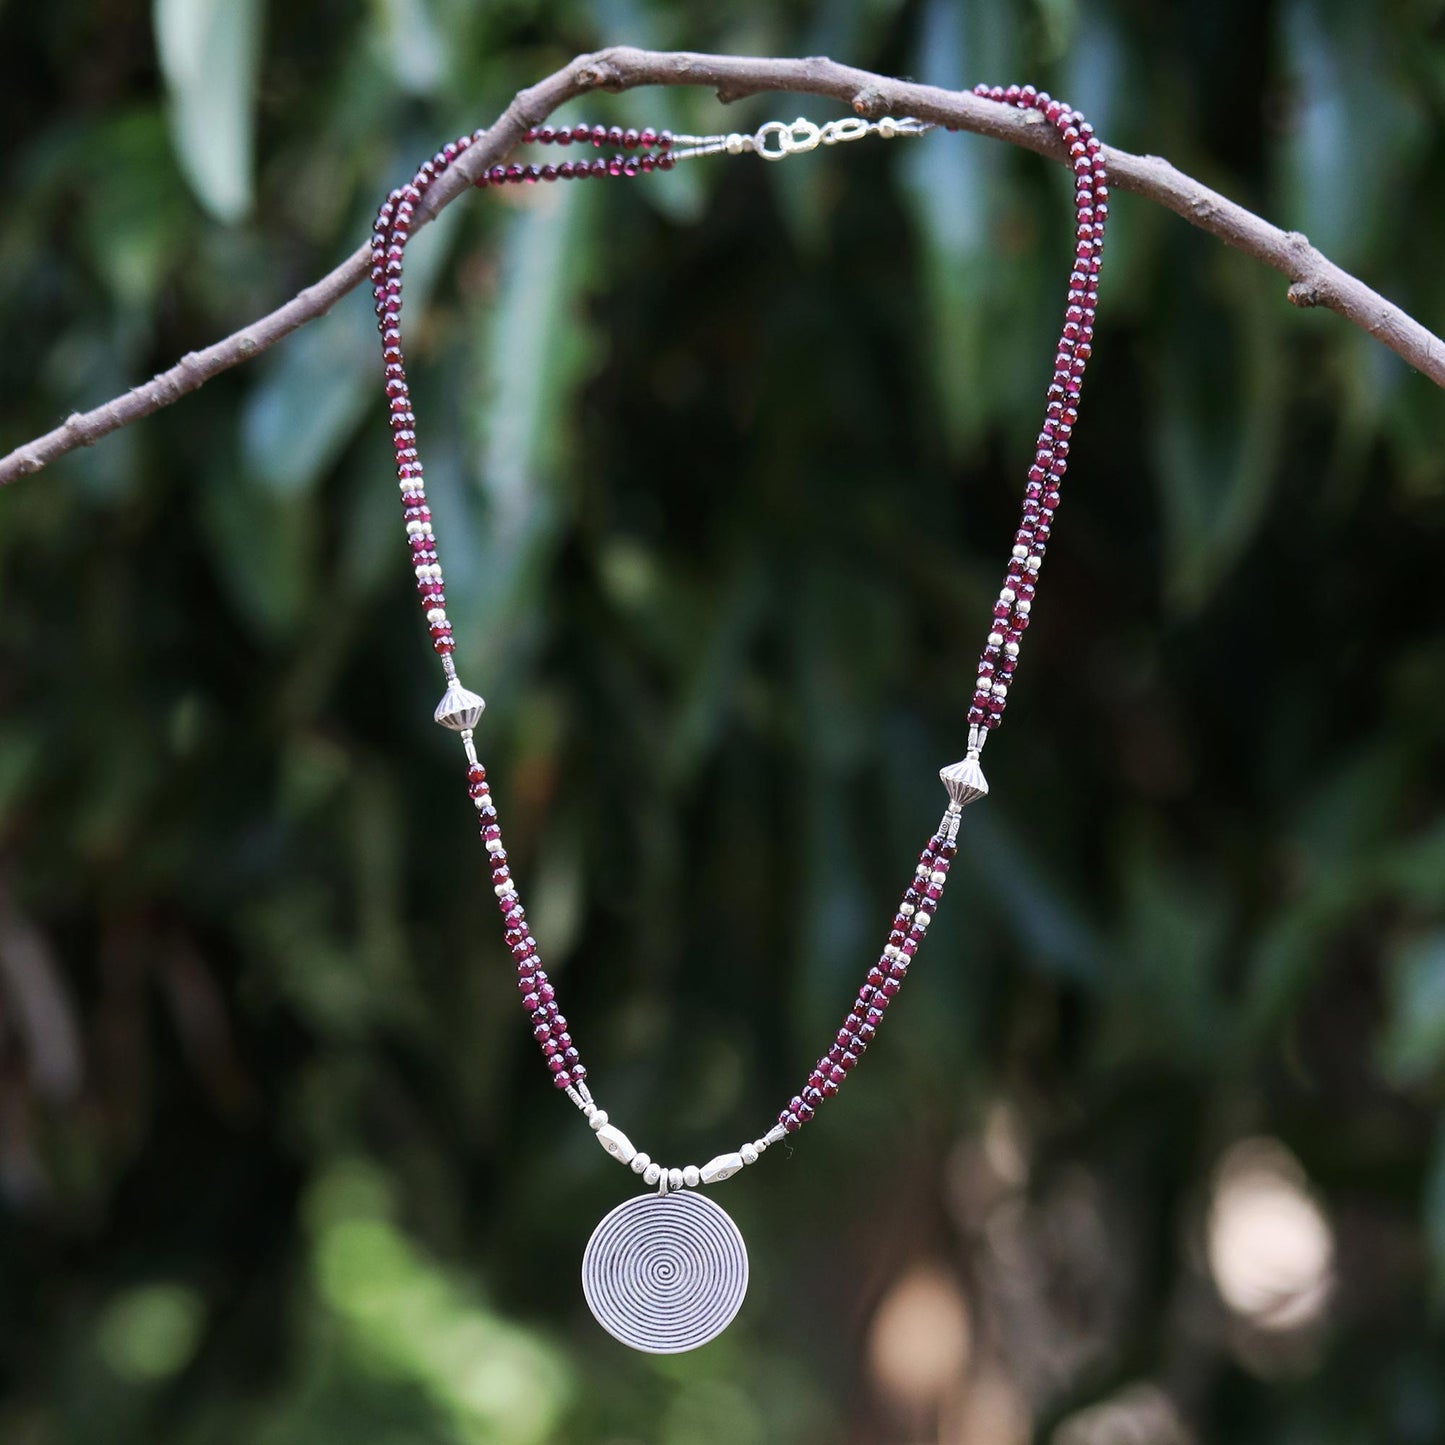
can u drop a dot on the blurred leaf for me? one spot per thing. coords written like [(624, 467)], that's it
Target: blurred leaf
[(403, 1315), (1164, 972), (408, 39), (946, 178), (1413, 1047), (209, 53), (322, 383), (1051, 928), (1218, 436), (534, 347), (320, 387), (263, 546), (152, 1332), (1352, 131), (20, 751), (135, 210)]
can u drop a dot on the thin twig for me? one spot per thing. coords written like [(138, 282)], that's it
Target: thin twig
[(1314, 279)]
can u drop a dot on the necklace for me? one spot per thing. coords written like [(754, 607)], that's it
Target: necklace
[(666, 1271)]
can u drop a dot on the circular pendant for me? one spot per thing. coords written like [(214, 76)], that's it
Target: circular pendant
[(665, 1272)]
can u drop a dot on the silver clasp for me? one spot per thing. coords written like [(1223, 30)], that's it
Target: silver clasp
[(779, 139), (802, 135)]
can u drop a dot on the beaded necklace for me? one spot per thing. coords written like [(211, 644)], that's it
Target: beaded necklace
[(666, 1271)]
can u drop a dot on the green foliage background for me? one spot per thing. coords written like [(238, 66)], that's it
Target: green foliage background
[(725, 462)]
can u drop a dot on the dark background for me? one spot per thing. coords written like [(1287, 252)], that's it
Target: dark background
[(725, 464)]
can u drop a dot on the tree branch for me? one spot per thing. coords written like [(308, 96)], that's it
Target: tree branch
[(1314, 279)]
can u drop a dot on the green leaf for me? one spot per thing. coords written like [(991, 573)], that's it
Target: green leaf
[(209, 55)]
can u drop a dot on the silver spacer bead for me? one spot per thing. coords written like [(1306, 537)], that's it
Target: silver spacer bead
[(965, 781), (619, 1146), (459, 709), (722, 1166)]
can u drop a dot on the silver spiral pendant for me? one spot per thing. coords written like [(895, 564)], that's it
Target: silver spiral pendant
[(665, 1272)]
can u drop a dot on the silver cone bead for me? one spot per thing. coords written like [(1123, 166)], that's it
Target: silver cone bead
[(459, 709), (965, 781)]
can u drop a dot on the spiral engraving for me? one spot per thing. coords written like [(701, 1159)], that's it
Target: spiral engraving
[(665, 1273)]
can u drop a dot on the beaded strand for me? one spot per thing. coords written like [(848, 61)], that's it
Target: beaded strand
[(642, 152)]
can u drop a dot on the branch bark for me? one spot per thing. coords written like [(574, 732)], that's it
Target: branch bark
[(1314, 279)]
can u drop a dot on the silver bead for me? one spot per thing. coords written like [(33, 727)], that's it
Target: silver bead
[(598, 1119), (618, 1145), (674, 1179), (640, 1161), (776, 1134), (691, 1175), (459, 709), (723, 1166), (652, 1173), (965, 781), (749, 1154)]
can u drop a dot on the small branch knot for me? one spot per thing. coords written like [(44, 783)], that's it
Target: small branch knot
[(1304, 293), (597, 74), (870, 102)]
